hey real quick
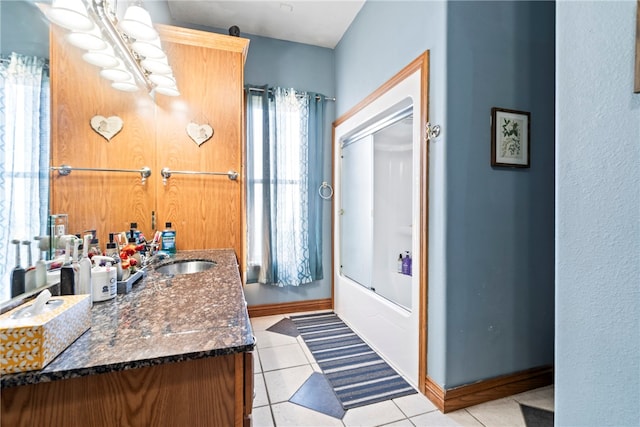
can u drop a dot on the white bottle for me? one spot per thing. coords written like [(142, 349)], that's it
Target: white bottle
[(103, 279), (84, 265), (41, 265)]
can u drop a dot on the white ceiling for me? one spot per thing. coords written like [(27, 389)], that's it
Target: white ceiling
[(315, 22)]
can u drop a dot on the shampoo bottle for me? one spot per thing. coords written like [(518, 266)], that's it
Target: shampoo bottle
[(113, 252), (169, 239), (400, 263), (406, 264)]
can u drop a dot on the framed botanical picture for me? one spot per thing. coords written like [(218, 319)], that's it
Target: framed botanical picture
[(510, 138)]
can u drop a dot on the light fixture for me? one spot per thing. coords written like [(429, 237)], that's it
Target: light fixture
[(128, 51)]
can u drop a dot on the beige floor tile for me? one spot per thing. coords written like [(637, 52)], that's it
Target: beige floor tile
[(502, 412), (539, 398), (260, 390), (283, 383), (306, 350), (459, 418), (284, 356), (373, 415), (265, 322), (261, 417), (265, 339), (401, 423), (414, 404), (291, 415)]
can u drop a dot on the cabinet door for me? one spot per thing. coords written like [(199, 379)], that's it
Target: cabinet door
[(205, 210), (104, 201)]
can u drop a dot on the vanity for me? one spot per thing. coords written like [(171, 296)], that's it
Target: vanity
[(176, 350)]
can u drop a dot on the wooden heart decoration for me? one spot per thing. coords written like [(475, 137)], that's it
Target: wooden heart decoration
[(199, 133), (107, 127)]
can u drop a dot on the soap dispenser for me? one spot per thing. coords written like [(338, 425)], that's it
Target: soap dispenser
[(67, 275), (17, 274), (30, 271)]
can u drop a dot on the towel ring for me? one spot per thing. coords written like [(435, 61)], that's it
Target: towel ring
[(323, 193)]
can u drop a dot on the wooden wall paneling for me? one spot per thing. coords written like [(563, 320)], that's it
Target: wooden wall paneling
[(98, 200), (205, 210)]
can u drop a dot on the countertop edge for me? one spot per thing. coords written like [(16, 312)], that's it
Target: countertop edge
[(36, 377)]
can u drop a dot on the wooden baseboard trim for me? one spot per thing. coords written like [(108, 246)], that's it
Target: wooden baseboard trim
[(290, 307), (486, 390)]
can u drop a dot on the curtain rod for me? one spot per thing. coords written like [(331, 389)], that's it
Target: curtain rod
[(258, 89)]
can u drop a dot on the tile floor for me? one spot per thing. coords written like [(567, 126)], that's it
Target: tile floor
[(282, 364)]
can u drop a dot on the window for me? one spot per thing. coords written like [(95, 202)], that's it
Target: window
[(284, 165)]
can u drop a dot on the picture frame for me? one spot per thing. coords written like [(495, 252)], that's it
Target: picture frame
[(510, 134)]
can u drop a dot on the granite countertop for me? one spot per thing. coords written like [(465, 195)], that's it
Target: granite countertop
[(163, 319)]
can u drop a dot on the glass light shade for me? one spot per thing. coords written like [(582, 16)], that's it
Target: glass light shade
[(116, 74), (149, 49), (101, 58), (156, 66), (163, 80), (137, 24), (70, 14), (168, 91), (126, 86), (89, 40)]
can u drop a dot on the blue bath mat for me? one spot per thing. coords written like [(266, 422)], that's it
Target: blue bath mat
[(357, 374)]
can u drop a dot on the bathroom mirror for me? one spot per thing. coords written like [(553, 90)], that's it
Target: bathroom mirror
[(15, 16)]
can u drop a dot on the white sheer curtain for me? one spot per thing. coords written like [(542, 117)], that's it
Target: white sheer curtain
[(24, 156)]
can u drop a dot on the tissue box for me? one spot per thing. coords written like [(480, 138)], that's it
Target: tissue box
[(30, 343)]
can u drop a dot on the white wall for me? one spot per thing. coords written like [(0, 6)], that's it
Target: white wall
[(597, 358)]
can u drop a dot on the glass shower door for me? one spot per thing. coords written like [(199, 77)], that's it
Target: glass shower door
[(356, 249)]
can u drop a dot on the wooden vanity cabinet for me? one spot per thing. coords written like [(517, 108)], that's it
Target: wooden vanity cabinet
[(214, 391), (205, 210)]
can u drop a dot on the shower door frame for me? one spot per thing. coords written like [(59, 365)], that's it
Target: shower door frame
[(421, 65)]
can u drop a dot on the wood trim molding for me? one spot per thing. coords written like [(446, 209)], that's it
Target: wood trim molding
[(290, 307), (206, 39), (487, 390), (419, 63)]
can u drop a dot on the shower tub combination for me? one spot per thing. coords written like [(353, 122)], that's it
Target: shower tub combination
[(377, 218)]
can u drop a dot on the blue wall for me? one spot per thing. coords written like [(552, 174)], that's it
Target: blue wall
[(597, 216), (491, 242), (500, 231), (22, 29), (383, 39), (304, 67)]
